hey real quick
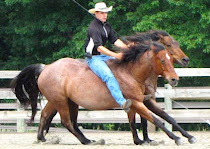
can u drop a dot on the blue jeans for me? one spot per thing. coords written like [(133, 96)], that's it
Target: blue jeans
[(98, 65)]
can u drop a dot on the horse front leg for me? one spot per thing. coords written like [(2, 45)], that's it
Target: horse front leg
[(144, 129), (152, 105), (132, 122), (144, 112), (144, 121)]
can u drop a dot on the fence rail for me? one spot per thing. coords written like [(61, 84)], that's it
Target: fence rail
[(196, 99)]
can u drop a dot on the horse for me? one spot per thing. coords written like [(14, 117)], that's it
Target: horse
[(151, 83), (57, 84)]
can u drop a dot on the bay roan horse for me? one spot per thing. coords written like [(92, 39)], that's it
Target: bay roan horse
[(70, 79), (179, 57)]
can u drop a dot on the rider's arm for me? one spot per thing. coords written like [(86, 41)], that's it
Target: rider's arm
[(120, 44), (106, 51)]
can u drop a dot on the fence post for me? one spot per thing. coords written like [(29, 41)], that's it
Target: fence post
[(21, 125), (168, 104)]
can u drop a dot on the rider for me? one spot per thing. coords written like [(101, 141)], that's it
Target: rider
[(99, 32)]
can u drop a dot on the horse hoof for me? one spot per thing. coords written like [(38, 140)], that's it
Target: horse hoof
[(192, 140), (148, 140), (100, 142), (139, 142), (42, 140), (153, 143), (179, 141), (144, 144)]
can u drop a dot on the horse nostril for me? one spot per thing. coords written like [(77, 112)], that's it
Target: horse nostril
[(174, 82), (185, 60)]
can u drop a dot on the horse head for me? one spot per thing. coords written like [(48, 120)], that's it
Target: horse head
[(150, 56), (163, 63), (171, 45)]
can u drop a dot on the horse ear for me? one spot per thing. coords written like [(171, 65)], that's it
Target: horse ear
[(152, 47), (151, 52), (155, 36), (160, 36)]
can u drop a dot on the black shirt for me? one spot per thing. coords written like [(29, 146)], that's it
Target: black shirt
[(98, 34)]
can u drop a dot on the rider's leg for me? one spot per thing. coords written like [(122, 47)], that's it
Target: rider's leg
[(98, 65)]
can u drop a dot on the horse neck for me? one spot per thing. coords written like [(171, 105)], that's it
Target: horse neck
[(152, 79), (142, 69)]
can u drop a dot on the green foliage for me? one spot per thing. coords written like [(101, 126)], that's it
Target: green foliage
[(195, 127), (108, 126), (40, 32), (182, 19), (43, 31)]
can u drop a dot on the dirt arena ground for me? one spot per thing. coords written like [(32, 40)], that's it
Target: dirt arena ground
[(113, 140)]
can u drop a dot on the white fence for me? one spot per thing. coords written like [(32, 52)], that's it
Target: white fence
[(195, 99)]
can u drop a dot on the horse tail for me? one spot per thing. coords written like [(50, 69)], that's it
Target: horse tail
[(25, 87)]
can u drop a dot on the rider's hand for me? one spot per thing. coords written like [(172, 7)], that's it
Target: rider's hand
[(119, 56)]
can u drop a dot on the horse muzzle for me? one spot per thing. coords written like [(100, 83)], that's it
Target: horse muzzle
[(173, 82), (184, 62)]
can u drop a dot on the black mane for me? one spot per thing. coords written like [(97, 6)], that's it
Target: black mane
[(134, 53), (142, 43), (154, 34), (150, 35)]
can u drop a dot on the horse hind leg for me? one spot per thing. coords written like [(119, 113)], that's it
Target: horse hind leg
[(49, 112), (152, 105), (46, 117), (49, 120)]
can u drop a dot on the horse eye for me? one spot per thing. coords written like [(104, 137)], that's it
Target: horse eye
[(168, 45)]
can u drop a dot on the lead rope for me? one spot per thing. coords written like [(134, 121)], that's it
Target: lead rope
[(206, 121), (83, 8)]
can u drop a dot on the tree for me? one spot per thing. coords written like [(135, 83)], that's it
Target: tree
[(43, 31), (186, 21)]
